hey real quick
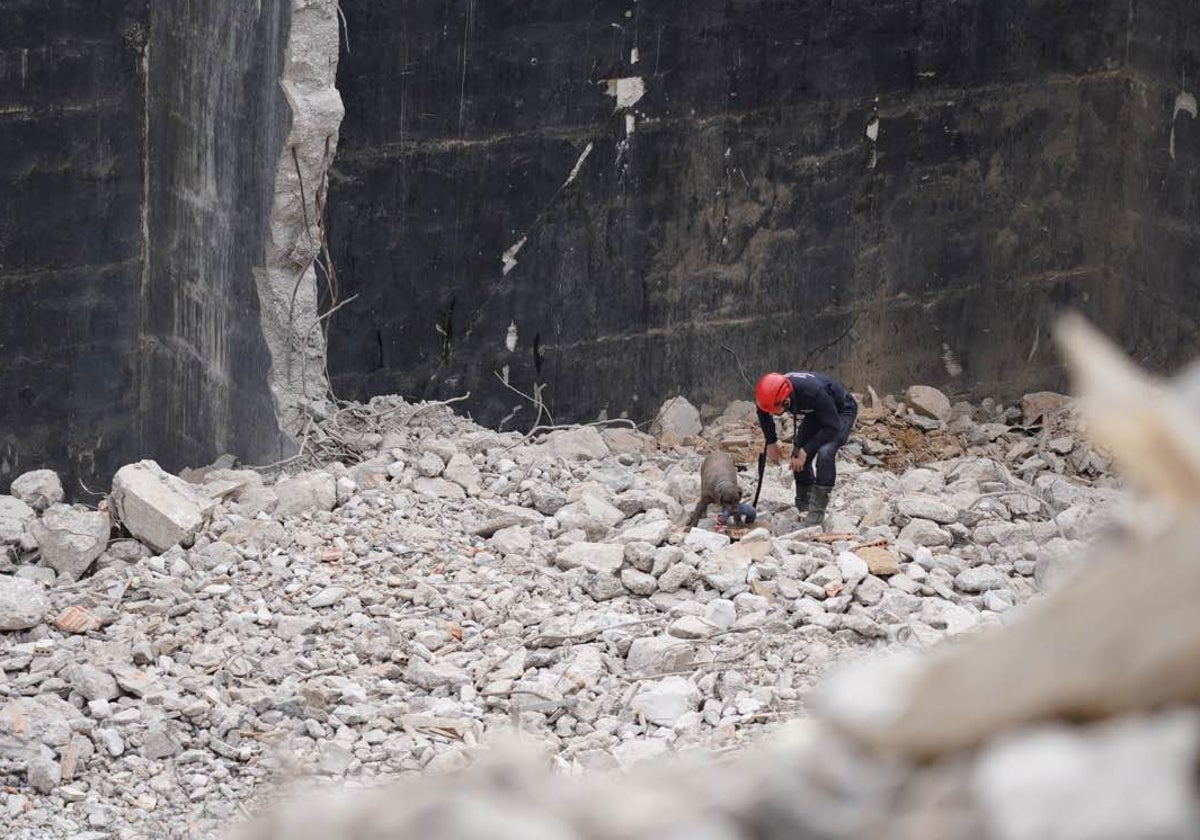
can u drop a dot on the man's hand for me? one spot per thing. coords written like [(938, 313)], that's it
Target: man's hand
[(773, 453), (798, 460)]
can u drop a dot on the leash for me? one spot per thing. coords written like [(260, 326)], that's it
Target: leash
[(762, 468)]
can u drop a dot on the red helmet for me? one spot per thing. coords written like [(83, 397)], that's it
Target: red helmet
[(772, 392)]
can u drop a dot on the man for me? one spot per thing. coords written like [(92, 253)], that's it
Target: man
[(829, 412)]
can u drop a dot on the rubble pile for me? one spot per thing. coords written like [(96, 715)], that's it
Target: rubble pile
[(1041, 434), (173, 654), (1079, 718)]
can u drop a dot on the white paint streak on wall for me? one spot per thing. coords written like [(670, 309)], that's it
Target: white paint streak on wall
[(950, 361), (578, 164), (627, 90), (510, 340), (1186, 103), (630, 124), (509, 257), (872, 133)]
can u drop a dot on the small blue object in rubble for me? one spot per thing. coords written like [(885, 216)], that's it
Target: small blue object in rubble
[(747, 512)]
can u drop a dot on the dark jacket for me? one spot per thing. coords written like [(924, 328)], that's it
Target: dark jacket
[(825, 398)]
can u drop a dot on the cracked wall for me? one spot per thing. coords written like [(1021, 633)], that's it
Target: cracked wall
[(154, 167), (895, 192), (215, 117), (288, 284)]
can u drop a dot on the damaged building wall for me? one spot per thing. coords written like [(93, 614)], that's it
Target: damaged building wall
[(152, 176), (288, 282), (1156, 226), (243, 126), (216, 121), (594, 199), (70, 233)]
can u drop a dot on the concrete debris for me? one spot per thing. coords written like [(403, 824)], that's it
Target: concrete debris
[(666, 701), (39, 489), (158, 508), (583, 444), (70, 538), (677, 420), (928, 402), (395, 614), (22, 604), (315, 491), (1043, 406), (15, 518), (880, 562)]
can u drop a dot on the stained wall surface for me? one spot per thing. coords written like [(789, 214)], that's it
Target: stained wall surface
[(217, 119), (894, 192), (594, 201), (140, 145), (71, 127)]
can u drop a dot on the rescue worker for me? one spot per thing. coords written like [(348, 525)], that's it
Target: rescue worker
[(829, 411)]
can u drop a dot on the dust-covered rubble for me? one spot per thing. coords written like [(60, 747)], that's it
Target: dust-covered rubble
[(390, 614)]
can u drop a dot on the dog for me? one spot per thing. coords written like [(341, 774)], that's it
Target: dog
[(718, 486)]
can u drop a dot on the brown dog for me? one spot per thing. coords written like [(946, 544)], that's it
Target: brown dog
[(718, 486)]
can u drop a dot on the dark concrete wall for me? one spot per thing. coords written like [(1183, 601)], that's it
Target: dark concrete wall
[(749, 208), (71, 120), (1157, 232), (217, 122), (140, 146)]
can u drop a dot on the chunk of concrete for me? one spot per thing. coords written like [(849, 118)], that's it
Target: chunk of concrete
[(654, 655), (1041, 404), (71, 538), (928, 402), (158, 508), (38, 488), (301, 493), (22, 603), (678, 418), (583, 444), (15, 518), (665, 701), (595, 557)]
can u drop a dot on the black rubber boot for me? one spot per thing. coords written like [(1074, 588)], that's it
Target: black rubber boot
[(803, 494), (817, 505)]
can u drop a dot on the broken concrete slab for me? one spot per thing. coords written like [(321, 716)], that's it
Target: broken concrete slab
[(23, 604), (663, 702), (71, 538), (880, 561), (302, 493), (1043, 404), (622, 441), (582, 444), (679, 419), (928, 402), (158, 508), (595, 557), (38, 488), (15, 517), (463, 472)]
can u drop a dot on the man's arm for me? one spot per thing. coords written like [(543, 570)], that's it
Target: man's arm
[(767, 422), (825, 412)]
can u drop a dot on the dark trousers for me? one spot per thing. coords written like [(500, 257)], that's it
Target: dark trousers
[(825, 457)]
